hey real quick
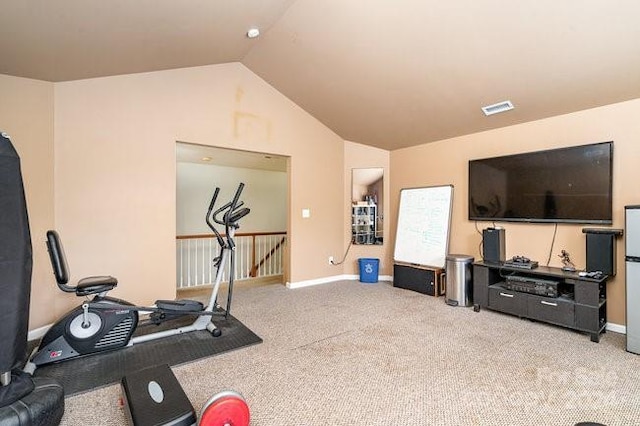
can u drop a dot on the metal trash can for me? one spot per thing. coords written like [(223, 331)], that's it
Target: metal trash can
[(459, 290)]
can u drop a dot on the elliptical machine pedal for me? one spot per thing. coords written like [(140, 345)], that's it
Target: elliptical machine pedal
[(171, 309)]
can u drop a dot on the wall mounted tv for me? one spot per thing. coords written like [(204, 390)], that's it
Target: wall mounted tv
[(566, 185)]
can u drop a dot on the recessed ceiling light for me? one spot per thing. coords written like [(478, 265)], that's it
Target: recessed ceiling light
[(206, 158), (253, 33), (496, 108)]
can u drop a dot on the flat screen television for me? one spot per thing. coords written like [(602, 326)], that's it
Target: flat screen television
[(566, 185)]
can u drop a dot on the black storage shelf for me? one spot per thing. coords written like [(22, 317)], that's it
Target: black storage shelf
[(581, 305)]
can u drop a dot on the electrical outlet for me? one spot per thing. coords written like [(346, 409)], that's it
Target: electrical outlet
[(330, 260)]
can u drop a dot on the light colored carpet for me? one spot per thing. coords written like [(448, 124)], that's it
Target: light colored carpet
[(348, 353)]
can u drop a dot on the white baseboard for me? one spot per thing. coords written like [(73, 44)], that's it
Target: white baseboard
[(332, 279), (380, 278), (616, 328), (38, 333)]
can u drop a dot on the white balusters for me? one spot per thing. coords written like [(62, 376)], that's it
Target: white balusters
[(195, 254)]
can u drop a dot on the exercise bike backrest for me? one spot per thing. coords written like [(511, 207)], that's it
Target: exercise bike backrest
[(84, 287)]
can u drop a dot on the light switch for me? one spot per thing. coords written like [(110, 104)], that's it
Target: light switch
[(306, 213)]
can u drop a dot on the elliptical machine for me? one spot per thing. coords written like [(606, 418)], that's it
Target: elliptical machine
[(105, 323)]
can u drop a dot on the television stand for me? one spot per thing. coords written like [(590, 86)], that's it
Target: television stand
[(581, 303)]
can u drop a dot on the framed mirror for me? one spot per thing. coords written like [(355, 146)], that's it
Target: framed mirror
[(367, 205)]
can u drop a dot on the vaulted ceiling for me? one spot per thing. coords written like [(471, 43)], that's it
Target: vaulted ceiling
[(389, 74)]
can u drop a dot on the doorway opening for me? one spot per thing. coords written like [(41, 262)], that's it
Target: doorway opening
[(261, 241)]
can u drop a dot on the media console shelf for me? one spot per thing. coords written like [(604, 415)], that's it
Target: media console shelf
[(581, 304)]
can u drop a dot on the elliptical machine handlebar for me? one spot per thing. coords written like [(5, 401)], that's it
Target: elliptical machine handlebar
[(236, 197), (213, 201), (232, 217), (208, 220), (230, 208), (224, 209), (231, 214)]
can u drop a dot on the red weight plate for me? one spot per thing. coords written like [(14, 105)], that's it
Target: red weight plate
[(225, 409)]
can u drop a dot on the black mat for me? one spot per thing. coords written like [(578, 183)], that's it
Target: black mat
[(89, 372)]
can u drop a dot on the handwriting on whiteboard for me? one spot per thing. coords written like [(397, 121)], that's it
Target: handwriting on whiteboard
[(424, 217)]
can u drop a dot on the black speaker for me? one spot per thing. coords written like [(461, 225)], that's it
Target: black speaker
[(424, 280), (601, 250), (493, 245)]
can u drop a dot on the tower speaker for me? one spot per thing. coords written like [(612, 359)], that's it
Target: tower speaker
[(601, 249), (493, 245)]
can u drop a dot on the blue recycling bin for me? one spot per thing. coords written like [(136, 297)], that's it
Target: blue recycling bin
[(368, 270)]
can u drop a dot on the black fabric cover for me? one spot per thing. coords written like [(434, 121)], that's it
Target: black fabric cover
[(21, 384), (44, 406), (25, 401), (15, 260)]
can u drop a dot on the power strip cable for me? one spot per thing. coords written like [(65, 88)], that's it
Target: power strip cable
[(481, 245), (553, 241), (345, 255)]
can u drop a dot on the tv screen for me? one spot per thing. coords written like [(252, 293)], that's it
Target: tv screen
[(566, 185)]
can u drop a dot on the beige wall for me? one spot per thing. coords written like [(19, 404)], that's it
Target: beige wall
[(26, 114), (362, 156), (265, 194), (445, 162), (116, 168)]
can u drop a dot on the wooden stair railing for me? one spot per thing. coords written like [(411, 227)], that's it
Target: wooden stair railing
[(254, 269)]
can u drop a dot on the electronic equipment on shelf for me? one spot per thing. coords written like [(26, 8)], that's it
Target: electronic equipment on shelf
[(493, 245), (521, 262), (533, 285), (581, 302), (598, 275)]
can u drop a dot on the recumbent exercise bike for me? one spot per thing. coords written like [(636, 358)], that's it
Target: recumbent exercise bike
[(105, 323)]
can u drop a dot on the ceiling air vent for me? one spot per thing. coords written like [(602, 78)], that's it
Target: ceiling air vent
[(496, 108)]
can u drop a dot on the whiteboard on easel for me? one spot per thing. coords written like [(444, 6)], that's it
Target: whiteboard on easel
[(424, 219)]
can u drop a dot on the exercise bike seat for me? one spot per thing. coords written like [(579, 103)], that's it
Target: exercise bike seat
[(94, 285), (85, 286)]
